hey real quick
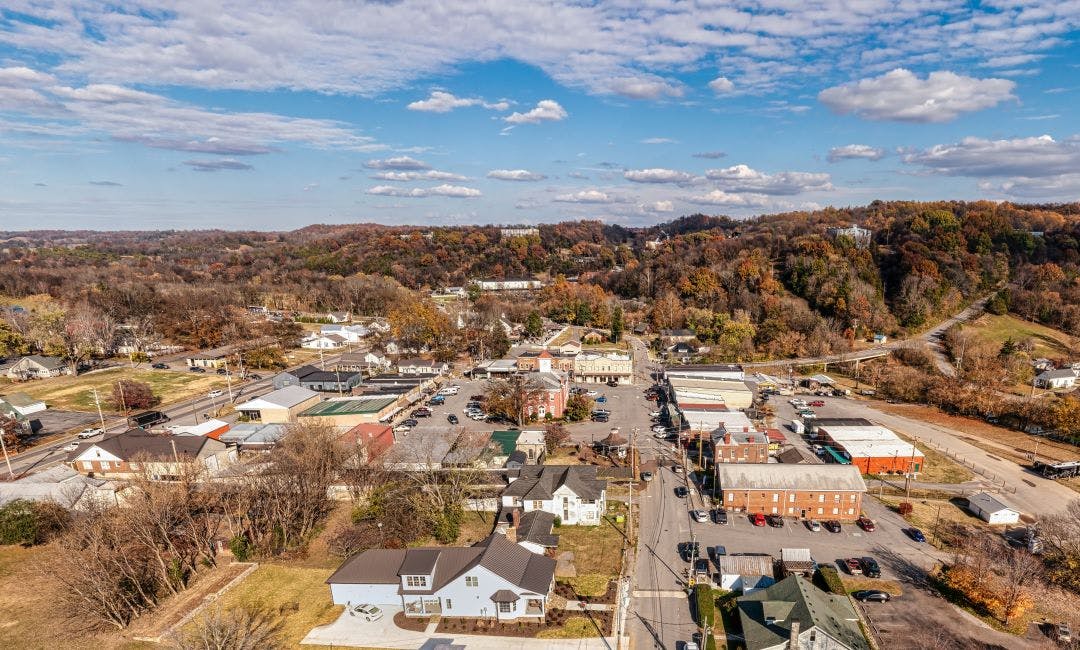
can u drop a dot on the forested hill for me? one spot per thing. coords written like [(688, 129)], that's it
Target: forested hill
[(779, 280)]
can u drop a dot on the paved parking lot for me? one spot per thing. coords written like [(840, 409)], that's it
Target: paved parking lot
[(54, 421)]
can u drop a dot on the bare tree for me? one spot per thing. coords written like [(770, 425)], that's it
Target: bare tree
[(241, 628), (513, 397), (1020, 572)]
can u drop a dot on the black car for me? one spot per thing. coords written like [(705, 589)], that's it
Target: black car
[(689, 550), (222, 371), (160, 366), (410, 422), (681, 491), (871, 595), (600, 418), (613, 384), (832, 525), (719, 515), (452, 419), (716, 552), (421, 413), (701, 565), (870, 568), (254, 377), (776, 521), (196, 369)]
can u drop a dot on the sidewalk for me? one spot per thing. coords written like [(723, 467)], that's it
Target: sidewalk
[(352, 631)]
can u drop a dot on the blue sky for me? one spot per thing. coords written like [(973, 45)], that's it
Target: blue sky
[(420, 112)]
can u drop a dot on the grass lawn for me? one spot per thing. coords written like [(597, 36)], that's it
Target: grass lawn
[(74, 393), (596, 550), (575, 627), (298, 593), (939, 468), (926, 511), (858, 583), (475, 526), (1048, 342), (564, 456)]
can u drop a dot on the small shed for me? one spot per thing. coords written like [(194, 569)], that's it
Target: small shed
[(991, 509), (797, 561), (745, 572)]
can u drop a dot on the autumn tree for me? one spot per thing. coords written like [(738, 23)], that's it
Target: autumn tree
[(578, 408), (130, 395), (555, 434), (514, 397)]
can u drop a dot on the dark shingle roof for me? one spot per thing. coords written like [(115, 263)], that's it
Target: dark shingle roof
[(132, 443), (535, 526), (504, 596), (538, 482), (419, 562), (794, 598)]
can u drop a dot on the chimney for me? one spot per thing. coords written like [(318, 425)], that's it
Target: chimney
[(515, 518), (793, 640)]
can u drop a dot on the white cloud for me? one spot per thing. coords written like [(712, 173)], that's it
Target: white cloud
[(1028, 157), (856, 151), (741, 178), (217, 165), (899, 95), (720, 197), (644, 88), (659, 141), (586, 196), (515, 175), (721, 85), (452, 191), (657, 175), (21, 76), (547, 110), (397, 162), (658, 206), (443, 102), (430, 175)]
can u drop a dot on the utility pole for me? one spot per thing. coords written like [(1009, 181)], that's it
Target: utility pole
[(7, 460), (322, 362), (123, 402), (228, 379), (97, 402), (634, 477)]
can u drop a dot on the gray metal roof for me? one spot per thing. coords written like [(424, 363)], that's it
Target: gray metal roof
[(535, 526), (539, 482), (777, 476), (419, 562)]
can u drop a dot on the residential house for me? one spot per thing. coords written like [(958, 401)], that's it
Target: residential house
[(739, 446), (880, 339), (351, 411), (533, 531), (530, 443), (1042, 364), (493, 368), (493, 579), (36, 366), (279, 406), (23, 403), (682, 352), (351, 333), (861, 236), (315, 341), (529, 360), (362, 362), (604, 367), (1058, 379), (515, 284), (62, 485), (804, 491), (992, 509), (592, 336), (339, 316), (793, 613), (796, 455), (162, 457), (419, 366), (677, 335), (570, 492), (380, 325), (570, 348)]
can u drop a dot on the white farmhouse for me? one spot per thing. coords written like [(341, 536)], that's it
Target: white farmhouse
[(493, 579), (572, 493), (1057, 379)]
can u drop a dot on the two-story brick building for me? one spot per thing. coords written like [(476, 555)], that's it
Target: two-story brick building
[(529, 361), (803, 491), (739, 446)]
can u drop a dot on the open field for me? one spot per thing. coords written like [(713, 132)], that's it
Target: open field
[(74, 393), (1048, 342), (928, 512), (597, 551), (939, 468)]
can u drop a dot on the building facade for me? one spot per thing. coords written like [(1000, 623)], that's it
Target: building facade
[(604, 367), (572, 493), (802, 491), (739, 447)]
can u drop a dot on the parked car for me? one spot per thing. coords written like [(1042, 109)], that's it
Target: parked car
[(659, 428), (833, 526), (689, 550), (452, 419), (90, 433), (690, 645), (720, 516), (716, 552), (916, 534), (818, 403), (422, 412), (758, 519), (222, 371), (814, 526), (601, 400), (368, 612), (613, 384), (701, 567), (870, 568), (646, 476), (401, 428), (438, 400), (1063, 633), (196, 369), (871, 595), (600, 418), (411, 422), (591, 393), (681, 491), (775, 521), (71, 446), (853, 566), (160, 366), (654, 414), (699, 516), (254, 377), (217, 392), (866, 523)]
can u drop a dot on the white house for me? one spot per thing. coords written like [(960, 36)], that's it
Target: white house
[(1057, 379), (745, 573), (36, 366), (23, 403), (351, 333), (517, 284), (315, 341), (493, 579), (991, 509), (422, 367), (572, 493), (339, 316)]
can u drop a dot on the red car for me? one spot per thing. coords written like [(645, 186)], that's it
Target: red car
[(817, 403), (866, 523), (758, 519)]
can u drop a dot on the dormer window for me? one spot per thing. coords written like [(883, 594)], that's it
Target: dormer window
[(415, 581)]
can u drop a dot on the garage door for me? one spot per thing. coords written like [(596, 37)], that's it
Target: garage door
[(370, 594)]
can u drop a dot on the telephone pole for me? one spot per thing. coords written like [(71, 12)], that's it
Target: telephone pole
[(97, 402)]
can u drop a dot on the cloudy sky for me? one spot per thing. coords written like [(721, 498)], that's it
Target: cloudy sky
[(277, 115)]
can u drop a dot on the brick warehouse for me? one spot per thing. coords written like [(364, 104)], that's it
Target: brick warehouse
[(872, 448), (803, 491)]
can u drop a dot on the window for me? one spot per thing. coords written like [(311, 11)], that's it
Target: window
[(853, 498), (588, 502), (821, 511), (791, 498), (449, 604), (472, 581), (416, 581), (821, 498), (506, 608), (851, 511), (774, 510), (105, 465), (836, 497), (836, 511), (731, 496), (537, 505), (775, 497)]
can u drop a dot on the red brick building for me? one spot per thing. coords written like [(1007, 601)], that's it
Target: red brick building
[(739, 446), (802, 491)]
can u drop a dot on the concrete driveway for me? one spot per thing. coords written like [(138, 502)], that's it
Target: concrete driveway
[(353, 631)]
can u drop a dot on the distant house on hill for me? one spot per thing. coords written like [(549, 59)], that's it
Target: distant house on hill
[(36, 366)]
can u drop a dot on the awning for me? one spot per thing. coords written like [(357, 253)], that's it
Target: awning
[(504, 596)]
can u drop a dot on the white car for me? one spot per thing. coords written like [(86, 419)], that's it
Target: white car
[(654, 414), (71, 446), (217, 392), (591, 393), (367, 612), (90, 433), (659, 428), (700, 516), (401, 428)]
